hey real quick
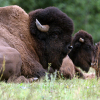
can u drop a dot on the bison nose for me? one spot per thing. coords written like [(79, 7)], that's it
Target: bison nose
[(70, 47)]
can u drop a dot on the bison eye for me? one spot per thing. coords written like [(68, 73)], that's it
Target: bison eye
[(77, 45)]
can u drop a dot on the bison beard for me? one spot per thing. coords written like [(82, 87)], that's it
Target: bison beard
[(39, 48), (83, 50)]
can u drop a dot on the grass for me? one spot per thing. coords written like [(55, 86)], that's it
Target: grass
[(2, 68), (75, 89)]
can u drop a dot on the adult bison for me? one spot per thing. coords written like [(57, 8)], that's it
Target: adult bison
[(96, 59), (29, 42), (83, 50)]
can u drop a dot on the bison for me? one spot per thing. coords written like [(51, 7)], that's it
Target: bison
[(96, 59), (67, 70), (83, 50), (28, 42)]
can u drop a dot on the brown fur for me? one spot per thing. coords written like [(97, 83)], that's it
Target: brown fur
[(20, 79), (96, 59), (15, 28), (10, 62), (14, 31), (55, 42), (67, 68), (82, 52)]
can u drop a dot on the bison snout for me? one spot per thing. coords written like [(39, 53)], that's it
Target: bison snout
[(67, 49)]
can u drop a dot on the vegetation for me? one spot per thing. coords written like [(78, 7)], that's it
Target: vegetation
[(75, 89), (44, 89), (85, 13)]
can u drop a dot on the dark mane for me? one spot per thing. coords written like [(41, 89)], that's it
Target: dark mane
[(51, 16)]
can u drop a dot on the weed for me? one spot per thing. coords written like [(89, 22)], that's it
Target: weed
[(2, 68)]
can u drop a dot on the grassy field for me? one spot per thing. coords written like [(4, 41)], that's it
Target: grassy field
[(75, 89)]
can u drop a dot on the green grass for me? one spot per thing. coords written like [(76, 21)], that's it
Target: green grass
[(75, 89)]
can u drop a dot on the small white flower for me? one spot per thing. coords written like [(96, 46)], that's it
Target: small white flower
[(87, 87), (23, 87)]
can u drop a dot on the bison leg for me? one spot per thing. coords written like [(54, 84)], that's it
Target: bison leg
[(10, 62), (21, 79)]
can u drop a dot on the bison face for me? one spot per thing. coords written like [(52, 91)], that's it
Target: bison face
[(94, 63), (57, 47), (52, 30), (83, 50)]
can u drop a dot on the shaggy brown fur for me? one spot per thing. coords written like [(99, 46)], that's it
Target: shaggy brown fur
[(38, 48), (67, 68), (10, 62), (96, 59), (82, 52), (52, 46), (21, 79), (14, 32)]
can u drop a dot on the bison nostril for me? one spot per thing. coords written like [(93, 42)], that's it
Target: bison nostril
[(70, 47)]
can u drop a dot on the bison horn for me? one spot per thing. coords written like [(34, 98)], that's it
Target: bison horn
[(43, 28), (81, 40)]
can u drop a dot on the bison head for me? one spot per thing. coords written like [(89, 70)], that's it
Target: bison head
[(83, 50), (51, 29)]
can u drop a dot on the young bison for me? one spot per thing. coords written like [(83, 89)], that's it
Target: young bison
[(83, 50), (68, 70)]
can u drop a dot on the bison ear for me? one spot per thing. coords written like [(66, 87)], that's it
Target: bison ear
[(81, 40), (43, 28)]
